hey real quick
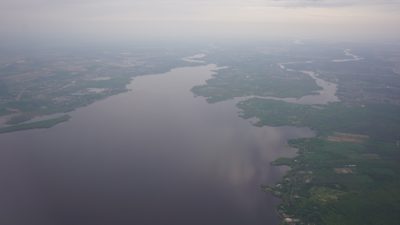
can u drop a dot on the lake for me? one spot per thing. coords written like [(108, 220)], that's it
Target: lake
[(153, 155)]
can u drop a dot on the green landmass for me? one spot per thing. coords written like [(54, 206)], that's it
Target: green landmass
[(349, 174), (257, 75), (47, 82), (35, 125), (340, 183), (379, 121)]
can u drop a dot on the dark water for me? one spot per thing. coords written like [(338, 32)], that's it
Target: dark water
[(155, 155)]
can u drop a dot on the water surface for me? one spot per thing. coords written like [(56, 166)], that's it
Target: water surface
[(155, 155)]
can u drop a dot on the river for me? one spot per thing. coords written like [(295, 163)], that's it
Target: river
[(326, 95), (153, 155)]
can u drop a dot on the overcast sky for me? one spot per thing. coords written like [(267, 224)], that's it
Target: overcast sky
[(186, 18)]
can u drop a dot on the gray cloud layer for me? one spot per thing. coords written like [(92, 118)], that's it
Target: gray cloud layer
[(136, 17), (335, 3), (9, 4)]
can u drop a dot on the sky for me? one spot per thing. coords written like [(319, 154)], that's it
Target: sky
[(200, 18)]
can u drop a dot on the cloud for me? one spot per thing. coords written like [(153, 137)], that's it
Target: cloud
[(193, 16), (333, 3), (15, 5)]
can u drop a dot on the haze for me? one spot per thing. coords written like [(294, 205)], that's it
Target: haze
[(101, 19)]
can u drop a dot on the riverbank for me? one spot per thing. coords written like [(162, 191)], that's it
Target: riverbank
[(45, 85), (347, 171)]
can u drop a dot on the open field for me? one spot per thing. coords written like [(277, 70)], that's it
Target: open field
[(346, 137)]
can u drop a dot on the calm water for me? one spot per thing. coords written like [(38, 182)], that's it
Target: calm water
[(154, 155)]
